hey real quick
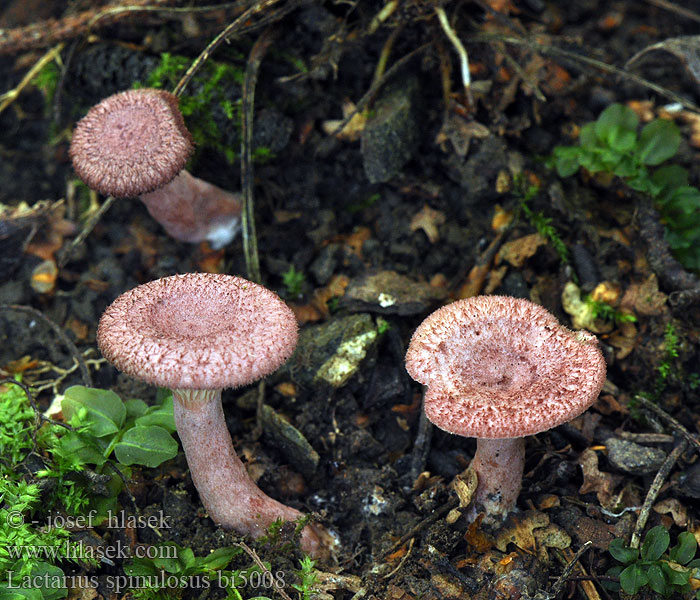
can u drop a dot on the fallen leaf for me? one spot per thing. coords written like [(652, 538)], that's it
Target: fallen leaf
[(353, 128), (518, 529), (428, 220), (624, 339), (594, 480), (551, 536), (516, 252), (672, 506), (460, 131), (644, 298)]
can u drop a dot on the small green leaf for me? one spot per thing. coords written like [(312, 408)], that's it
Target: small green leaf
[(149, 446), (678, 576), (621, 552), (159, 415), (633, 578), (657, 579), (617, 127), (220, 558), (658, 142), (135, 407), (668, 178), (50, 578), (685, 550), (655, 543), (105, 412), (566, 160), (169, 557)]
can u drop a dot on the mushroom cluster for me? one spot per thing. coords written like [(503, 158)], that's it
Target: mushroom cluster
[(196, 334), (135, 143), (499, 368)]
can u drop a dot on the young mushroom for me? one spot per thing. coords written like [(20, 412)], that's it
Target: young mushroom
[(197, 334), (135, 143), (499, 368)]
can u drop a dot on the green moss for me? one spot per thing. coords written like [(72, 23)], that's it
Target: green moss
[(211, 103)]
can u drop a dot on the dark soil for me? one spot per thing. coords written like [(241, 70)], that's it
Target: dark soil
[(382, 483)]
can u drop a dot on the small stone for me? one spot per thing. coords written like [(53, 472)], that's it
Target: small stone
[(632, 458), (391, 136), (290, 441)]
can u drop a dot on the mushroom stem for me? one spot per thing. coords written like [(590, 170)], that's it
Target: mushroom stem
[(228, 493), (193, 210), (499, 465)]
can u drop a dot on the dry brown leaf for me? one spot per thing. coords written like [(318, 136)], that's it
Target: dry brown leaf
[(428, 220), (516, 252), (476, 538), (53, 229), (594, 480), (460, 132), (354, 240), (518, 529), (624, 339), (496, 277), (551, 536), (672, 506), (644, 298), (353, 129)]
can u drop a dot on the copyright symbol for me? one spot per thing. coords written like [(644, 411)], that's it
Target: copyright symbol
[(15, 519)]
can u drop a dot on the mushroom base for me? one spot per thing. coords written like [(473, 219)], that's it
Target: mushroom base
[(499, 465), (229, 495)]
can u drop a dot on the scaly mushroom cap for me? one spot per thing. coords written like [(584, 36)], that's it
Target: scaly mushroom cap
[(502, 367), (197, 331), (131, 143)]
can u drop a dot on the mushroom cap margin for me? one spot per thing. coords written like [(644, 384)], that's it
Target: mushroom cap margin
[(198, 331), (502, 367)]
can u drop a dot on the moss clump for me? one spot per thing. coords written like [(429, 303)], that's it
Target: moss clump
[(211, 103)]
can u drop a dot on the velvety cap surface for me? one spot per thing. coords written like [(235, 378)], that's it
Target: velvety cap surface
[(502, 367), (131, 143), (197, 331)]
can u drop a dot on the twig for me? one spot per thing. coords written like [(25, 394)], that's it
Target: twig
[(654, 490), (250, 240), (549, 50), (51, 31), (10, 96), (256, 559), (673, 423), (679, 10), (461, 52), (66, 254), (242, 23), (369, 96), (87, 379), (565, 576), (434, 516)]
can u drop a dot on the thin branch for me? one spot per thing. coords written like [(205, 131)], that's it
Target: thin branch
[(654, 490)]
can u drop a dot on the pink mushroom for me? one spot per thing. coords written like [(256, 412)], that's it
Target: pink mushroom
[(499, 368), (196, 334), (135, 143)]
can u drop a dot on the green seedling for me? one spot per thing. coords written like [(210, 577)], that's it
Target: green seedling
[(307, 577), (537, 219), (671, 342), (294, 282), (666, 572), (612, 144), (606, 312), (174, 568)]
